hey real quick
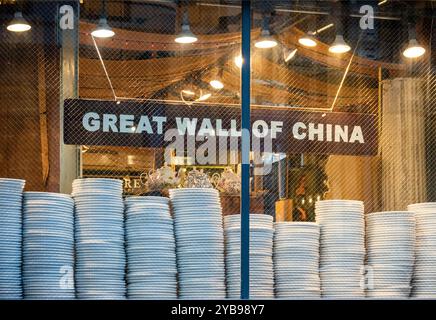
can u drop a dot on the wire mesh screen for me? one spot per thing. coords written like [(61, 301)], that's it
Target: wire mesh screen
[(29, 96), (142, 63), (371, 76)]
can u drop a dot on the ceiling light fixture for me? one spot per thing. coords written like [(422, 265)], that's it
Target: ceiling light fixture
[(18, 23), (186, 36), (414, 49), (339, 45), (266, 41), (103, 29)]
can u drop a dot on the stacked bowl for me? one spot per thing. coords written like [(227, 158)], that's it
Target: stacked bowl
[(99, 231), (390, 253), (11, 193), (424, 277), (296, 260), (151, 249), (261, 262), (342, 248), (48, 246), (200, 243)]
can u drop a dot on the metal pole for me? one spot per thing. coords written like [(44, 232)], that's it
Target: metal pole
[(245, 151)]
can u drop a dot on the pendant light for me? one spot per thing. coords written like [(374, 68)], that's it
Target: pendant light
[(186, 36), (414, 49), (338, 46), (266, 41), (217, 76), (239, 61), (18, 23), (103, 29)]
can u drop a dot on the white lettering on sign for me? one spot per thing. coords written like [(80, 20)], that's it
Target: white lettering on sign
[(128, 123), (327, 132), (144, 125), (91, 121), (186, 125), (66, 22), (297, 131)]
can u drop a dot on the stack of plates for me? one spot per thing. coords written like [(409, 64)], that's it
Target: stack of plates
[(200, 243), (48, 246), (424, 278), (390, 254), (296, 260), (11, 192), (100, 254), (342, 248), (151, 249), (261, 262)]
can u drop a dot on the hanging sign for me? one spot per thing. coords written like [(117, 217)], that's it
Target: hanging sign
[(157, 124)]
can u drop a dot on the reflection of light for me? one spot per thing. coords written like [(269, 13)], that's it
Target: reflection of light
[(239, 61), (204, 96), (118, 102), (413, 50), (130, 159), (216, 84), (133, 128), (302, 201), (339, 45), (188, 92), (18, 24), (103, 30), (289, 54), (382, 2), (323, 115), (324, 28), (318, 197), (307, 41), (310, 200)]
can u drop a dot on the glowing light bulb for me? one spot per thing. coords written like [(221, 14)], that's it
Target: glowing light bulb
[(18, 24), (414, 50), (339, 45), (103, 30)]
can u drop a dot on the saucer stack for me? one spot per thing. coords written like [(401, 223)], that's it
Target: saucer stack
[(11, 193), (342, 248), (99, 231), (296, 260), (151, 249), (390, 240), (424, 277), (200, 243), (261, 262), (48, 246)]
